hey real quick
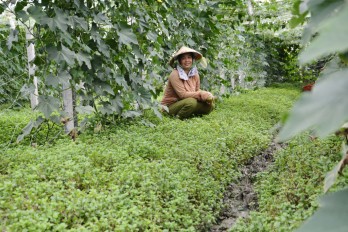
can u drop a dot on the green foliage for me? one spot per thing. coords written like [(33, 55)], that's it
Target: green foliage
[(132, 177), (39, 131), (323, 110), (12, 76), (12, 122), (262, 47), (288, 191), (326, 218), (113, 54), (317, 108)]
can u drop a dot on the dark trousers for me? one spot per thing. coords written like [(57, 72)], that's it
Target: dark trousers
[(188, 107)]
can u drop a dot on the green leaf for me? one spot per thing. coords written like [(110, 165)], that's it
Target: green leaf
[(82, 57), (66, 37), (47, 105), (68, 55), (84, 109), (151, 36), (131, 114), (26, 90), (331, 216), (20, 5), (101, 18), (102, 87), (13, 37), (65, 54), (38, 14), (333, 37), (28, 128), (2, 8), (126, 35), (325, 108), (52, 80), (59, 21), (157, 112), (297, 20), (331, 176), (117, 104), (64, 77), (81, 22), (55, 119), (22, 15), (344, 57), (320, 12)]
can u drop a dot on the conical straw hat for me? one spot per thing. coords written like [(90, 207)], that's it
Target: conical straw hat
[(182, 50)]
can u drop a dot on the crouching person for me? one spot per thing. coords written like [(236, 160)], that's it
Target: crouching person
[(183, 95)]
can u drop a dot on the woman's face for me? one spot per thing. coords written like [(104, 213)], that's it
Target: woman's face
[(186, 61)]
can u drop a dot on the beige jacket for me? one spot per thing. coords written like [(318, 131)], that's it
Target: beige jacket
[(178, 89)]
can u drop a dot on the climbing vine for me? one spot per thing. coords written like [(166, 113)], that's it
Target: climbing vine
[(114, 55)]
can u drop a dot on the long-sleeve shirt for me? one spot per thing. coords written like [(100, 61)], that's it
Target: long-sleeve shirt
[(178, 89)]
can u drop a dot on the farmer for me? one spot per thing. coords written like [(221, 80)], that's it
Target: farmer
[(183, 95)]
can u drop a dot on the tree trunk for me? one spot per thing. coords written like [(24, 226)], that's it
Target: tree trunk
[(34, 97), (68, 107), (250, 8)]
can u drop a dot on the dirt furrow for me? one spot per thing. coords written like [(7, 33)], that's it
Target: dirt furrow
[(240, 197)]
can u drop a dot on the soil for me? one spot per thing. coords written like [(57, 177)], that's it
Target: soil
[(240, 197)]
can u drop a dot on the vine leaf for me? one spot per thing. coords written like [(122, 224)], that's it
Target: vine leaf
[(60, 21), (20, 5), (26, 90), (131, 114), (2, 8), (65, 54), (84, 109), (38, 14), (81, 22), (101, 87), (52, 80), (12, 37), (27, 129), (47, 105), (64, 77), (126, 35), (331, 176), (82, 57), (324, 109), (331, 215), (157, 112), (332, 38)]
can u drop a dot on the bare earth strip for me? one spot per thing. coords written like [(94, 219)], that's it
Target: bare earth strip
[(240, 197)]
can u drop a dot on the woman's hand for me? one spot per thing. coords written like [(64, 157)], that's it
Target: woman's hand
[(207, 97), (210, 100)]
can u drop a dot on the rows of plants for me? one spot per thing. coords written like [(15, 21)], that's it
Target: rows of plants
[(288, 192), (131, 177)]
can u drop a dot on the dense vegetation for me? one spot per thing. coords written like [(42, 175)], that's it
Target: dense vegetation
[(288, 192), (113, 56), (13, 76), (133, 177), (171, 176)]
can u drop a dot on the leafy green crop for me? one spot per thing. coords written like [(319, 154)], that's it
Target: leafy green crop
[(288, 191), (132, 177)]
